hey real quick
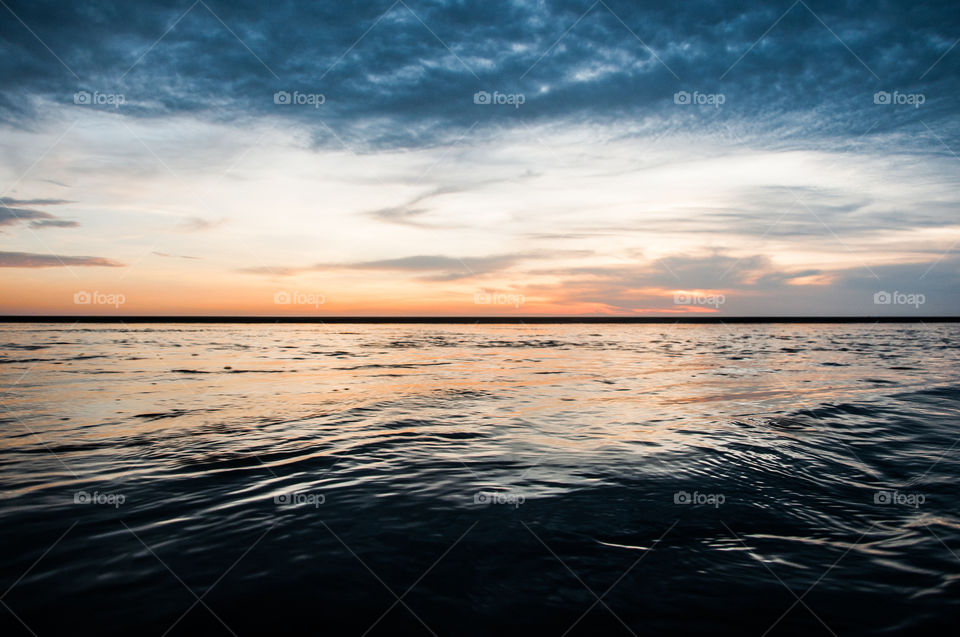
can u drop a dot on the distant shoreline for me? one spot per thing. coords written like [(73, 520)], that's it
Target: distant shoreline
[(706, 320)]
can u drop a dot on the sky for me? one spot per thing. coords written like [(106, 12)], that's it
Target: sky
[(508, 158)]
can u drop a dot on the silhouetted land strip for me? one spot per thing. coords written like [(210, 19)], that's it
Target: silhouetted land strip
[(667, 320)]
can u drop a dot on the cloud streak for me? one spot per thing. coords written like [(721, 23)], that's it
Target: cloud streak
[(33, 260), (434, 268), (37, 219)]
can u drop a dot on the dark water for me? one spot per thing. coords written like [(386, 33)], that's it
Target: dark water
[(460, 480)]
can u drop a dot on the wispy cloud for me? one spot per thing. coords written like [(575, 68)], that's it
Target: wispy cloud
[(11, 216), (441, 268), (38, 218), (54, 223), (10, 201), (199, 224), (173, 256), (33, 260), (427, 267)]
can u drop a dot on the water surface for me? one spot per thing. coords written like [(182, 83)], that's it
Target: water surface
[(561, 479)]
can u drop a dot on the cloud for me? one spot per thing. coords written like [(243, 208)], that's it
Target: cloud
[(199, 224), (9, 201), (403, 215), (38, 219), (429, 267), (441, 268), (753, 285), (649, 285), (407, 214), (54, 223), (32, 260), (404, 75), (11, 216), (172, 256), (276, 270)]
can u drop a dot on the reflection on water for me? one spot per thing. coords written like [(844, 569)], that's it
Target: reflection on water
[(309, 475)]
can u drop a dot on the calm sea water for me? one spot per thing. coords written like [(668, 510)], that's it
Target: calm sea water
[(462, 480)]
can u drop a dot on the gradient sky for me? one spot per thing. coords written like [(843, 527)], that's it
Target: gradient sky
[(733, 158)]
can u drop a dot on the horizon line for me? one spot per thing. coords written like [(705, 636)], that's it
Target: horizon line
[(28, 318)]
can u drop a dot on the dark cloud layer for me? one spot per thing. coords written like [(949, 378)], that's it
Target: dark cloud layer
[(405, 73)]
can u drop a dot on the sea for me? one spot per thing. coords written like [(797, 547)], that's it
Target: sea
[(460, 479)]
